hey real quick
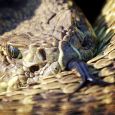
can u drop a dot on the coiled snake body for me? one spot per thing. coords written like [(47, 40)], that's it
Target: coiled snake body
[(46, 92)]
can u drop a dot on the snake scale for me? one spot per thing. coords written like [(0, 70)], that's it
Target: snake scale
[(89, 100)]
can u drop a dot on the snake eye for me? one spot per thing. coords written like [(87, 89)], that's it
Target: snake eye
[(14, 52)]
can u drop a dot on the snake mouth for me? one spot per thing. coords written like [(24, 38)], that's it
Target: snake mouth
[(86, 76)]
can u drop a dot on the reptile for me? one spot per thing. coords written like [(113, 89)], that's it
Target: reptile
[(61, 29), (38, 100)]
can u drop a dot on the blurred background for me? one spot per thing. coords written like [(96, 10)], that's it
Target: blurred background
[(91, 8)]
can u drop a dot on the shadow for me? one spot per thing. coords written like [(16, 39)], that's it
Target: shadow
[(13, 12), (91, 8)]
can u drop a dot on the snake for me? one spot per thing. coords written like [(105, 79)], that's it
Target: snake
[(50, 102)]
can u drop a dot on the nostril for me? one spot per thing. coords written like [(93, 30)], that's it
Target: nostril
[(42, 54), (34, 68)]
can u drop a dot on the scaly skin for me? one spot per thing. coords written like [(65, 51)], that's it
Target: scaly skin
[(59, 29), (92, 99)]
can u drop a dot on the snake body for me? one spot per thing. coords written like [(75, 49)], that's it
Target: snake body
[(39, 100)]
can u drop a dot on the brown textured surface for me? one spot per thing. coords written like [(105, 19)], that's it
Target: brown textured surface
[(44, 41), (90, 100)]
